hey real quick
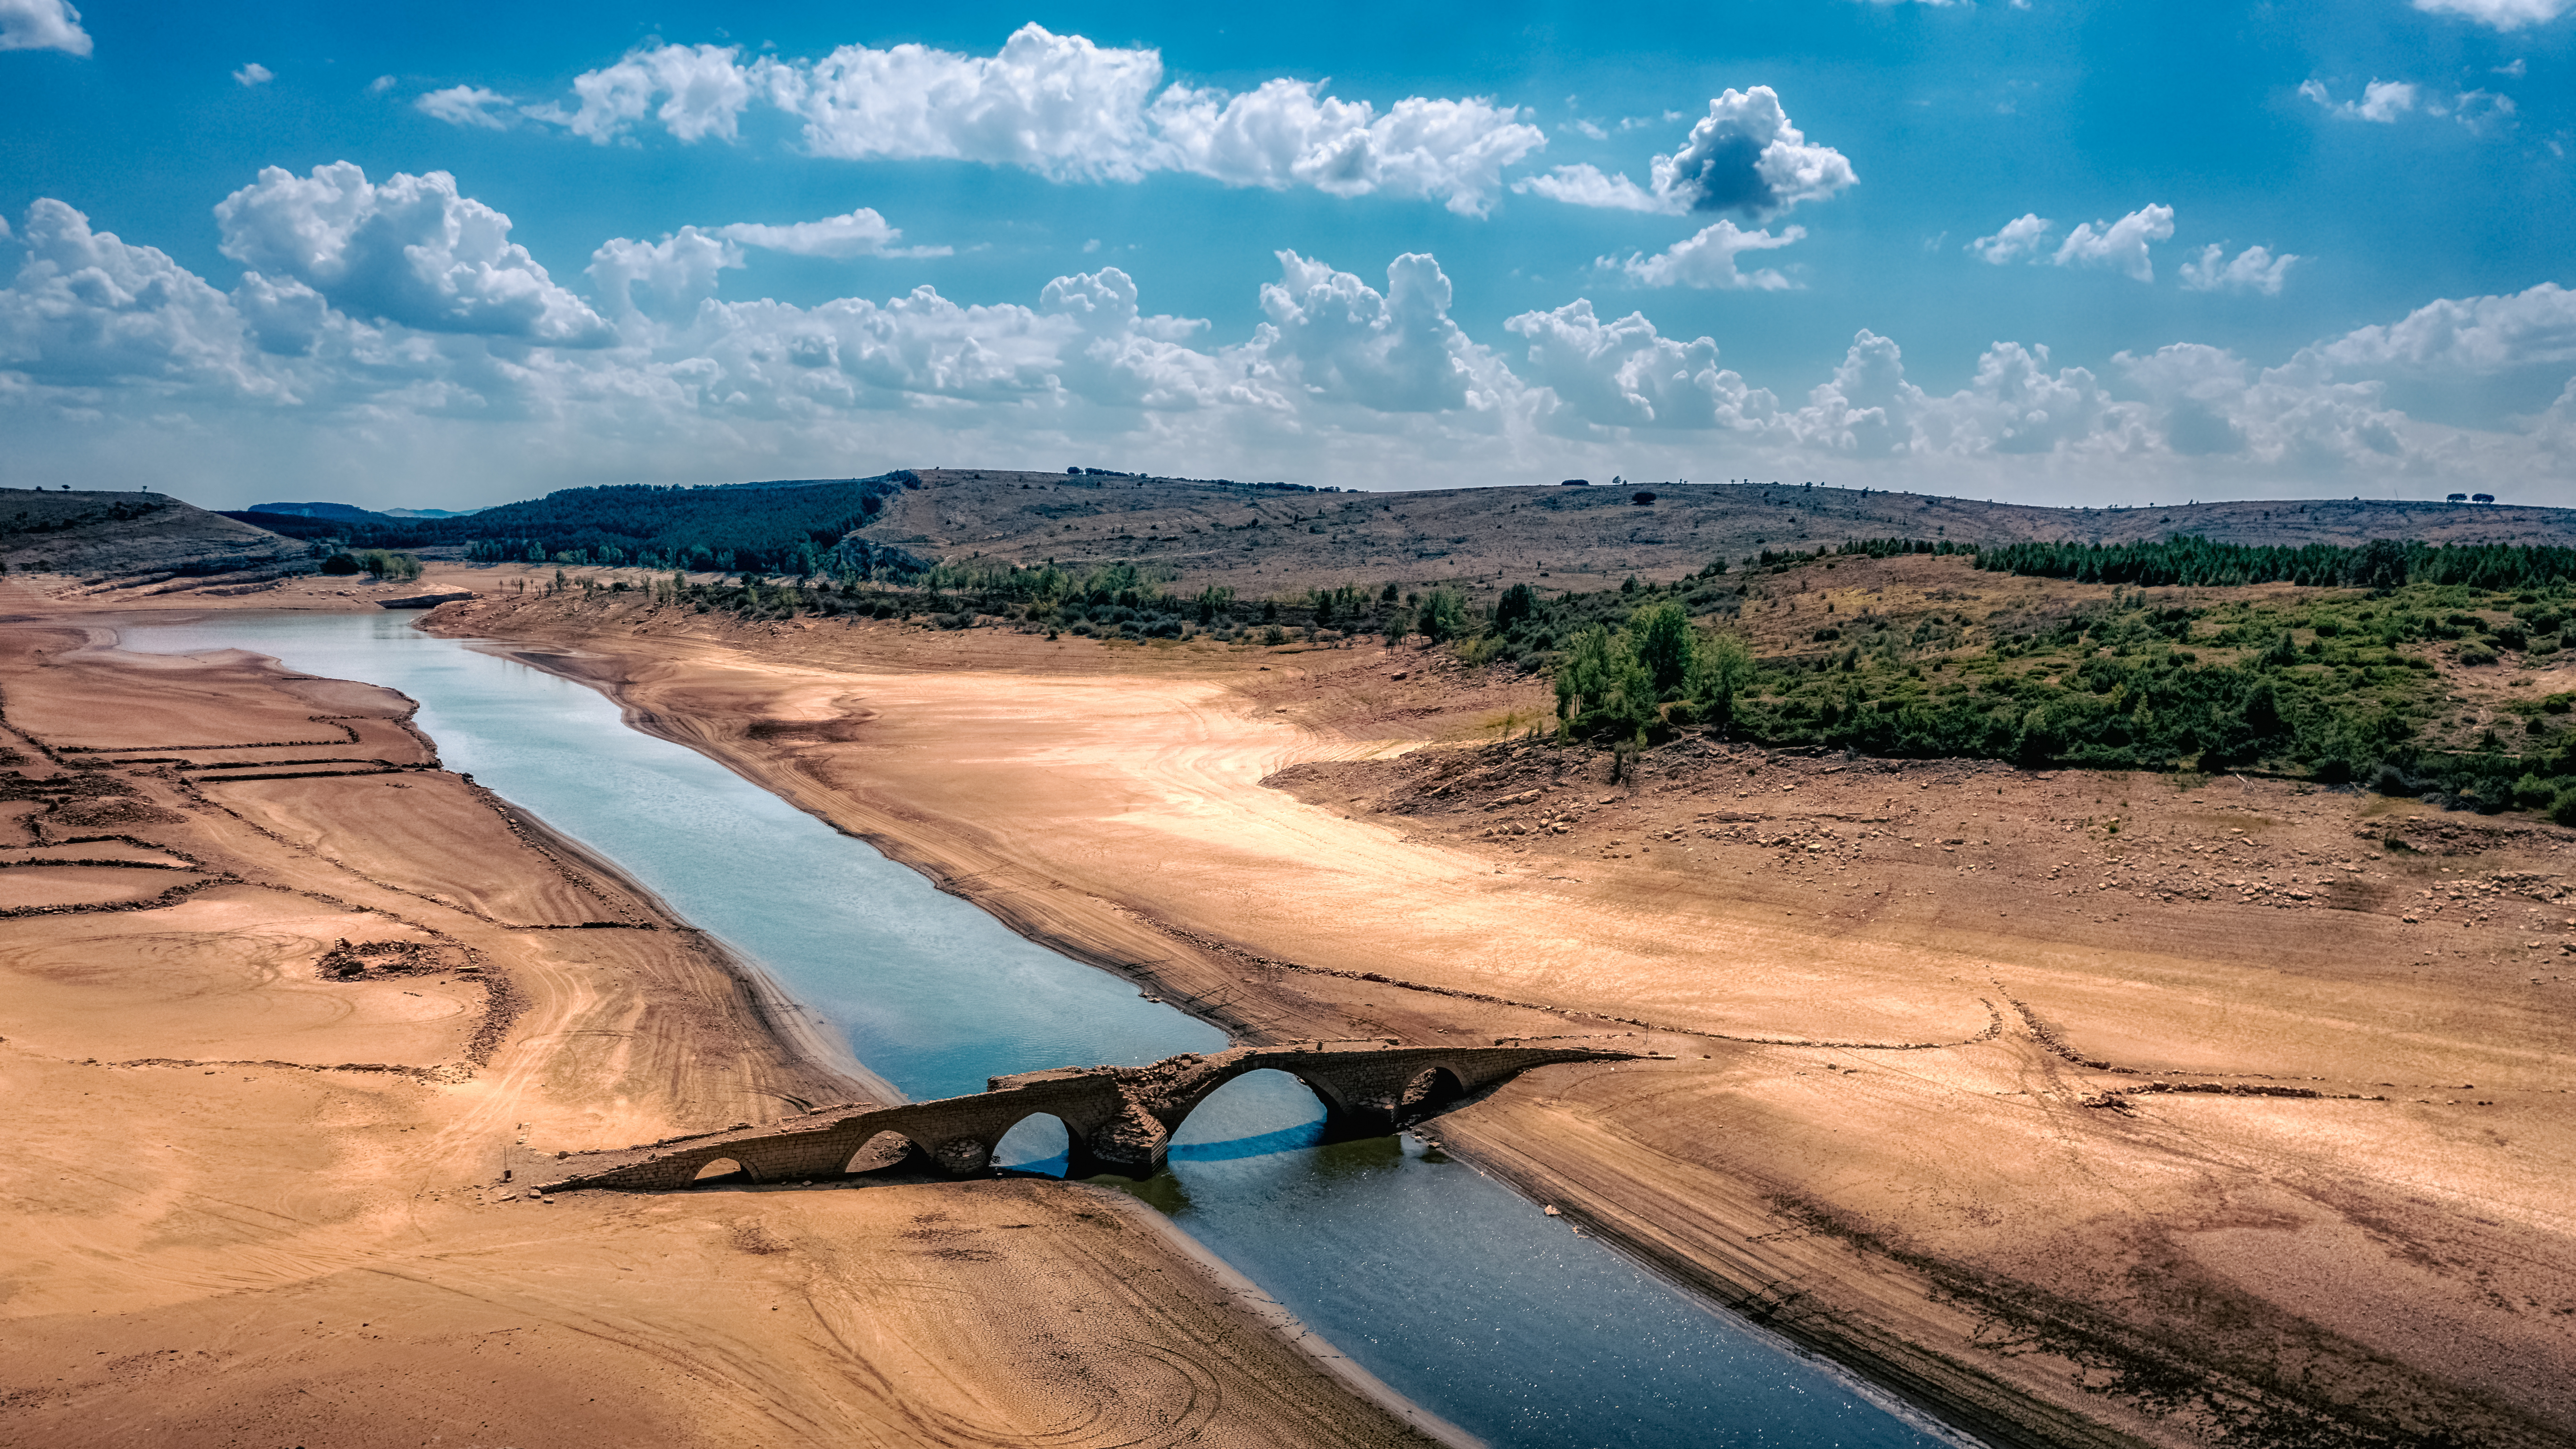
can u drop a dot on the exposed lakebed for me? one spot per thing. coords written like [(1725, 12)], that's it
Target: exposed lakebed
[(1452, 1289)]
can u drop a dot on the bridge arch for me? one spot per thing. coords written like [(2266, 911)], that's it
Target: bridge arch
[(1265, 1109), (721, 1170), (884, 1151), (1040, 1142), (1430, 1087), (1115, 1119)]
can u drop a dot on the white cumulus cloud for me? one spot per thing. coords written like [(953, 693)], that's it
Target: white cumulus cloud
[(2025, 236), (1069, 110), (390, 332), (2464, 337), (1585, 184), (861, 233), (1707, 260), (42, 25), (1332, 336), (254, 74), (1599, 376), (2387, 102), (410, 251), (2381, 101), (2254, 269), (702, 89), (1058, 105), (1286, 133), (2501, 14), (468, 106), (1743, 156), (88, 310), (667, 279), (2120, 245)]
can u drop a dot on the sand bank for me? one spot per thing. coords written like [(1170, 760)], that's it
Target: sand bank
[(261, 1126), (1914, 1007)]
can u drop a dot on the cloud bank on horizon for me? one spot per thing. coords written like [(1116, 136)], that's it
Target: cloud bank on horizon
[(389, 337)]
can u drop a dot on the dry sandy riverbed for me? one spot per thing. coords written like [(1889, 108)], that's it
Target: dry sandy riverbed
[(2009, 1108), (256, 1196)]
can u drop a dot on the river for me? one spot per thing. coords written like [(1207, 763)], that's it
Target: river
[(1454, 1290)]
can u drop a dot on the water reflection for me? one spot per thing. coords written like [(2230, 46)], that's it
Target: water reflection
[(1465, 1297), (932, 993), (1452, 1289), (1037, 1144)]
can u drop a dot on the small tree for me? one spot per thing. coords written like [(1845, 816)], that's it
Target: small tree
[(1444, 615), (1725, 668), (1666, 646), (1600, 683)]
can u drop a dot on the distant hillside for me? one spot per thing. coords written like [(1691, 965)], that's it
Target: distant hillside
[(1263, 539), (1259, 539), (349, 511), (133, 538), (783, 527)]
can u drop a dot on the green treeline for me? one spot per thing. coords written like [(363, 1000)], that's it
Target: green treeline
[(2199, 562), (793, 529), (2339, 687)]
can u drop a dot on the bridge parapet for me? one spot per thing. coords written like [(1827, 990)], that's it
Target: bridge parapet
[(1117, 1119)]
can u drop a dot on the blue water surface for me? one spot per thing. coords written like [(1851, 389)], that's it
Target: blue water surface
[(1457, 1292)]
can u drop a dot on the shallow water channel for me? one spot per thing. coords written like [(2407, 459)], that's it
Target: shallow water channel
[(1452, 1289)]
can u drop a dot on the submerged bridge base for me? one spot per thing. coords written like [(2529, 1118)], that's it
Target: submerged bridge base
[(1117, 1119)]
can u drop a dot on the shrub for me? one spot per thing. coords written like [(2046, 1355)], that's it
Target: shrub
[(1666, 646), (1444, 615), (1601, 684), (388, 565), (340, 565)]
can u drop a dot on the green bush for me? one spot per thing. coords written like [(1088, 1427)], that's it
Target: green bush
[(2563, 809)]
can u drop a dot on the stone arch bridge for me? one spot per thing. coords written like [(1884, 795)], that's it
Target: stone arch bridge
[(1117, 1119)]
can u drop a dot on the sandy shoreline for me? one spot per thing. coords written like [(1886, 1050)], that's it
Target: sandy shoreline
[(1996, 1263), (269, 1243), (2320, 1234)]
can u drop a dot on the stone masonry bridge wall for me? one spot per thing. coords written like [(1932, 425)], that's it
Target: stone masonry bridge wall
[(1117, 1119)]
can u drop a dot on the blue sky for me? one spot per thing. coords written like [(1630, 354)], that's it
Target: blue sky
[(384, 254)]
